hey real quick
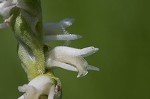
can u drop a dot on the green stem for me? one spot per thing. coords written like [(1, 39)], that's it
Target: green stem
[(26, 22), (29, 40)]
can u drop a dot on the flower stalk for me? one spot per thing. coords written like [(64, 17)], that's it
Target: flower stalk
[(39, 60)]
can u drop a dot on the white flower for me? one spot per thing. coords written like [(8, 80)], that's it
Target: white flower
[(56, 31), (6, 6), (71, 59), (41, 85)]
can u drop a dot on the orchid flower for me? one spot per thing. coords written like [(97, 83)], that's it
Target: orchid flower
[(71, 59), (41, 85), (56, 31)]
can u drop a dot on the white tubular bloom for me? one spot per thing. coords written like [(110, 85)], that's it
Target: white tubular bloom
[(57, 28), (41, 85), (71, 59), (56, 31)]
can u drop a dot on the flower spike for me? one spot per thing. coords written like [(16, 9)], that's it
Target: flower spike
[(24, 17)]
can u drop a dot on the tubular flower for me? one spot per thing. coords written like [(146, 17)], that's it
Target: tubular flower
[(56, 31), (41, 85), (71, 59)]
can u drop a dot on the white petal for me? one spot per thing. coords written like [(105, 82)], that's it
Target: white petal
[(4, 4), (89, 67), (88, 51), (65, 37), (23, 88), (66, 22), (64, 50), (74, 51), (55, 92), (5, 11), (5, 7), (36, 87), (42, 84), (52, 63), (21, 97), (52, 92), (57, 28), (31, 92), (81, 74), (77, 61)]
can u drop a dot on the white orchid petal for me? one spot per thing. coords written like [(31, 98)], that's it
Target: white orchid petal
[(36, 87), (31, 92), (65, 37), (23, 88), (74, 51), (77, 61), (4, 4), (89, 67), (64, 50), (52, 92), (81, 74), (88, 51), (5, 7), (5, 11), (66, 22), (57, 28), (42, 84), (52, 63), (21, 97)]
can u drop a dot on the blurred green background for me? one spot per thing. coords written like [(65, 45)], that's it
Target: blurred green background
[(120, 28)]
